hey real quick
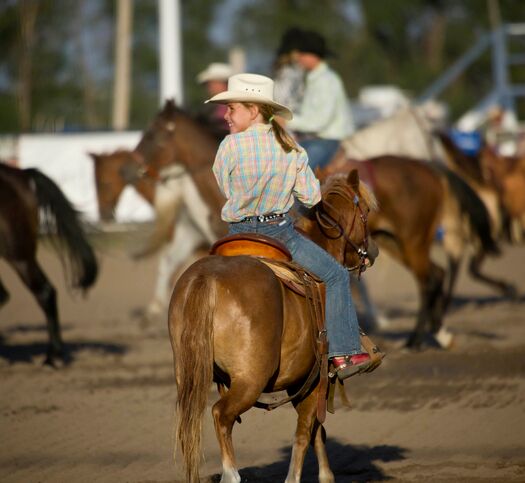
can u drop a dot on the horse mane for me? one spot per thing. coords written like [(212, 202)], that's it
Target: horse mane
[(171, 110), (365, 192), (111, 154)]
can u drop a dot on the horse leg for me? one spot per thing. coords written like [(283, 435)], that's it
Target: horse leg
[(430, 282), (39, 285), (241, 397), (372, 318), (507, 289), (198, 210), (4, 294), (309, 431), (186, 239), (452, 276), (325, 473), (438, 304)]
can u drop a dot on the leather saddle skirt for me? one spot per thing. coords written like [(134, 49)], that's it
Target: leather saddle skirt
[(269, 251)]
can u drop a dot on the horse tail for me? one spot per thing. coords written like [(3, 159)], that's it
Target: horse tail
[(472, 207), (194, 368), (167, 205), (58, 216)]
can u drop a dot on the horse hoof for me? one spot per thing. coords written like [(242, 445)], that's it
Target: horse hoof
[(511, 292), (444, 338), (58, 359), (382, 322), (52, 362), (49, 362), (145, 317), (413, 344)]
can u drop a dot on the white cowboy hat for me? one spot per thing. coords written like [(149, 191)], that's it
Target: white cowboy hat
[(251, 88), (215, 71)]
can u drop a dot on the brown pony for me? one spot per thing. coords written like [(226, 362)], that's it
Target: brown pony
[(24, 194), (414, 199), (231, 320), (113, 171)]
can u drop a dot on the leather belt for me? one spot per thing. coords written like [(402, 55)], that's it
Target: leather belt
[(263, 218)]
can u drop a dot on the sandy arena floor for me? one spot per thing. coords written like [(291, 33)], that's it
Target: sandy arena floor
[(434, 416)]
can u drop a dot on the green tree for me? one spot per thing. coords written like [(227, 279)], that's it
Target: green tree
[(408, 43)]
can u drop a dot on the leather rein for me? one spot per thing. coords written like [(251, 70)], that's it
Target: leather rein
[(328, 222)]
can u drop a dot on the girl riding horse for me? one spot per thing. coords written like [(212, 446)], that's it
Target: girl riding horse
[(260, 171)]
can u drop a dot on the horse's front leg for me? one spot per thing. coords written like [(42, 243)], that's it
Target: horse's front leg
[(186, 240), (308, 431), (198, 211)]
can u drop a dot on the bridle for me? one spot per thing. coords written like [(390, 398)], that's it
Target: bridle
[(327, 222)]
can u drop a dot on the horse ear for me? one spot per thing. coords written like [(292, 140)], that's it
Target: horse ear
[(95, 156), (353, 180)]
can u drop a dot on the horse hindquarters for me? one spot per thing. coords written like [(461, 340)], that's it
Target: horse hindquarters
[(18, 245), (226, 310)]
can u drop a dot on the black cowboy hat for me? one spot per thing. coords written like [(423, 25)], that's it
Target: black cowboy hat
[(313, 43), (290, 40)]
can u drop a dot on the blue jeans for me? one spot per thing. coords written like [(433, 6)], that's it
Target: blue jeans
[(340, 315), (320, 151)]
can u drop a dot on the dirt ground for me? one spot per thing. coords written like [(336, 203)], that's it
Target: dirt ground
[(433, 416)]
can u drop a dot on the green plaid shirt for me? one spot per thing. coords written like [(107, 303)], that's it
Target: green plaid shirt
[(258, 177)]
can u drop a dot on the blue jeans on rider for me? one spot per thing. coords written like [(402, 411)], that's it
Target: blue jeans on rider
[(340, 315), (320, 151)]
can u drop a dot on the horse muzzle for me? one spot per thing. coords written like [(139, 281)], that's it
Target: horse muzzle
[(372, 252)]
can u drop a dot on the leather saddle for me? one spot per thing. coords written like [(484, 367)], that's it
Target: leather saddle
[(275, 255)]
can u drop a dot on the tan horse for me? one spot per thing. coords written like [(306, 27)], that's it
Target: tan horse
[(408, 132), (231, 320)]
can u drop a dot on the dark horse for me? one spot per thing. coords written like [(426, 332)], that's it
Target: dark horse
[(233, 321), (23, 195), (415, 198)]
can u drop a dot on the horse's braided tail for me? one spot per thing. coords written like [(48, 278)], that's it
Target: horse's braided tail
[(60, 218), (194, 369)]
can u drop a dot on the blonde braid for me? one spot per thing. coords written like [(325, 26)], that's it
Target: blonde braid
[(286, 141)]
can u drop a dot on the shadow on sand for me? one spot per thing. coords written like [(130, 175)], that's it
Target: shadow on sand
[(28, 352), (349, 464)]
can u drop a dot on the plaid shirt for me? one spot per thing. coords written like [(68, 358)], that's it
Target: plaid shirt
[(258, 177)]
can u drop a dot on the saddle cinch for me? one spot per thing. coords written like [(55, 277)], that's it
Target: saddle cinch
[(276, 256)]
